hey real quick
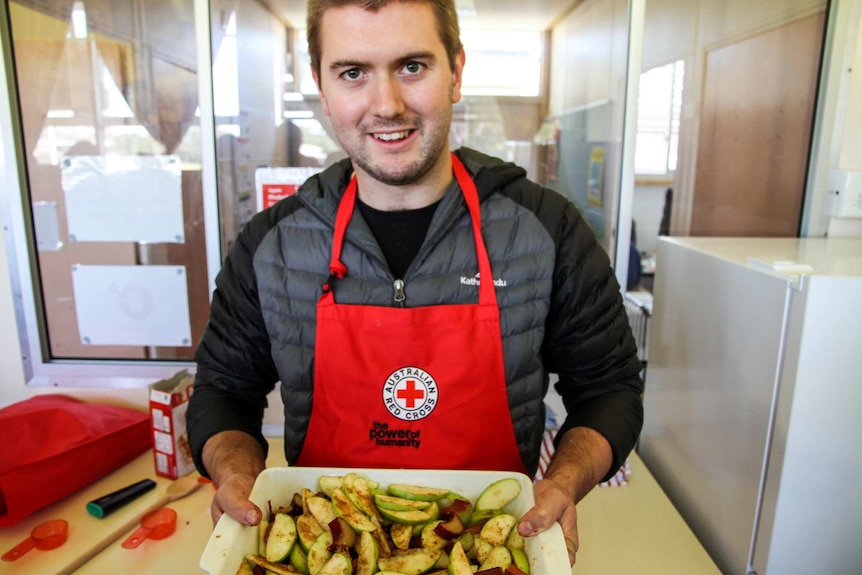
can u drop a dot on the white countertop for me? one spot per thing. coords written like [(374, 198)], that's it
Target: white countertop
[(631, 529)]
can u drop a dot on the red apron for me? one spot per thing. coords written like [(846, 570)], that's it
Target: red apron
[(411, 387)]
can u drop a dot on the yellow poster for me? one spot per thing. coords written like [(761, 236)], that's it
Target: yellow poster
[(594, 177)]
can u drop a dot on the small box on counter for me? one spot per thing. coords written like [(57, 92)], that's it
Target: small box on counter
[(169, 399)]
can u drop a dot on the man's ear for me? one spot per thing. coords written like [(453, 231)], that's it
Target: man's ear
[(457, 75), (323, 103)]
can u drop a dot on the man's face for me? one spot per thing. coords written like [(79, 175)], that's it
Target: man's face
[(386, 83)]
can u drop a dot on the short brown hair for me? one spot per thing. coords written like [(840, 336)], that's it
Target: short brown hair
[(444, 11)]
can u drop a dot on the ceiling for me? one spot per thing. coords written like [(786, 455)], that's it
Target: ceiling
[(474, 14)]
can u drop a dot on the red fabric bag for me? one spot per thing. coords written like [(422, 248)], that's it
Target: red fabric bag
[(53, 445)]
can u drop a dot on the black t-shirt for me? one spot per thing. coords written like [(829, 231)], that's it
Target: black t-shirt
[(399, 233)]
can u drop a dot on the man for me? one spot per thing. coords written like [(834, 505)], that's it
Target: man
[(413, 290)]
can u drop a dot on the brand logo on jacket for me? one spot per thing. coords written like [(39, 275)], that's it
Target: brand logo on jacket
[(410, 393), (474, 281)]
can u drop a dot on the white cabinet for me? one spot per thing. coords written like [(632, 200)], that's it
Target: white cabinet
[(753, 401)]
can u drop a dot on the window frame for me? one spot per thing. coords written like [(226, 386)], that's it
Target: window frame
[(39, 369)]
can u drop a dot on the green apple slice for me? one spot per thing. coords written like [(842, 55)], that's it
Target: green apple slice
[(458, 562), (368, 554), (299, 559), (328, 483), (319, 552), (262, 529), (401, 534), (321, 509), (515, 540), (409, 561), (385, 501), (345, 509), (498, 557), (496, 530), (269, 566), (338, 564), (281, 539), (308, 530), (358, 491), (409, 517), (416, 492), (430, 540), (499, 494), (519, 558)]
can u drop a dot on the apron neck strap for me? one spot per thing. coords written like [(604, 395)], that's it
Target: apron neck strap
[(337, 269)]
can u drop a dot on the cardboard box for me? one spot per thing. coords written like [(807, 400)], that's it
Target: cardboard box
[(169, 400), (230, 541)]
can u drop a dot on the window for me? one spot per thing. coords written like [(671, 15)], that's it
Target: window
[(659, 105)]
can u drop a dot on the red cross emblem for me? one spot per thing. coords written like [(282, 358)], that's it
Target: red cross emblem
[(410, 393)]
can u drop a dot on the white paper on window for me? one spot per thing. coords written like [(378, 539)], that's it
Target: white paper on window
[(132, 305), (123, 198)]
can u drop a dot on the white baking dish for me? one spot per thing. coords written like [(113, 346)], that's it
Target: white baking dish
[(230, 541)]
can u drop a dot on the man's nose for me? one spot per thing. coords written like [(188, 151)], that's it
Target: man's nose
[(388, 98)]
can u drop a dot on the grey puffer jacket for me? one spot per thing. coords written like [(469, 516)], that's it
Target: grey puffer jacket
[(560, 307)]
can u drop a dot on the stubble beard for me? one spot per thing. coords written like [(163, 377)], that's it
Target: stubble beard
[(436, 139)]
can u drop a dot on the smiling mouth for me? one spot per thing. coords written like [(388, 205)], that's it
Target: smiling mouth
[(392, 136)]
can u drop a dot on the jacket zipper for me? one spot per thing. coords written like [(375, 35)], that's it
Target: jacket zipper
[(399, 294)]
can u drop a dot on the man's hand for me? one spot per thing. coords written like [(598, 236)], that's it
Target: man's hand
[(553, 503), (583, 456), (232, 498), (233, 460)]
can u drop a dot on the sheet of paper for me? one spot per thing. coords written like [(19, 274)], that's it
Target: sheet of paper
[(132, 305), (123, 198)]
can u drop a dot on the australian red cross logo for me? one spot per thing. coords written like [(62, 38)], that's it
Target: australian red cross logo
[(410, 393)]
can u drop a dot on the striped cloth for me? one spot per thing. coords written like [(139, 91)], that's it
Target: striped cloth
[(620, 478)]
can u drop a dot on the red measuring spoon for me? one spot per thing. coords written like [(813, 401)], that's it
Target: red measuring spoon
[(156, 524), (48, 535)]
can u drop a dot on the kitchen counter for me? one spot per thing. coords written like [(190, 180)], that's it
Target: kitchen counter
[(623, 529)]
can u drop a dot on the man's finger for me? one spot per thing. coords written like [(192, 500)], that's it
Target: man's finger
[(572, 548)]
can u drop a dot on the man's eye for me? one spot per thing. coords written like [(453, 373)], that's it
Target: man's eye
[(353, 74), (413, 67)]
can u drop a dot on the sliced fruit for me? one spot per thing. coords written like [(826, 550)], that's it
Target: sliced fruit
[(357, 490), (412, 517), (431, 541), (345, 508), (276, 568), (299, 559), (319, 552), (416, 492), (245, 568), (367, 554), (262, 532), (481, 549), (401, 534), (467, 540), (458, 562), (343, 534), (463, 508), (498, 557), (499, 494), (496, 530), (321, 509), (480, 516), (449, 529), (338, 564), (307, 529), (329, 482), (515, 540), (409, 561), (519, 559), (281, 539), (398, 503)]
